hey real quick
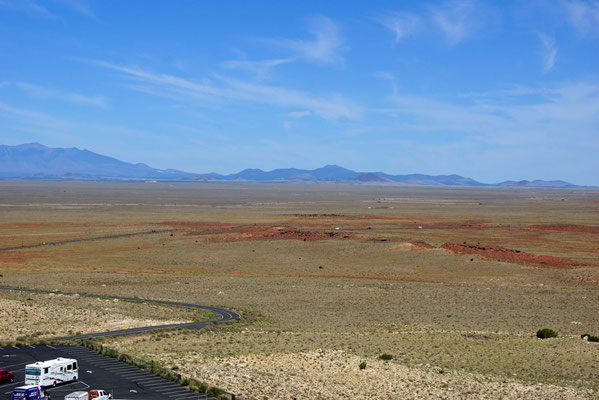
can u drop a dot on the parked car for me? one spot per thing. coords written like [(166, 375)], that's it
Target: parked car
[(99, 395), (6, 376)]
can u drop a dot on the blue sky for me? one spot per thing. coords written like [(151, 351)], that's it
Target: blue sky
[(485, 89)]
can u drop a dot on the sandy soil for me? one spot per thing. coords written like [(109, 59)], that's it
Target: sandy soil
[(319, 300)]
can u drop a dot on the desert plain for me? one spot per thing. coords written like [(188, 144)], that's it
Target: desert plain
[(451, 283)]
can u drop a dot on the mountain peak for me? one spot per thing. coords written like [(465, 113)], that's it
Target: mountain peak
[(36, 161)]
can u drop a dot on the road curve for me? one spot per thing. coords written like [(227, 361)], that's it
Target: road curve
[(222, 314), (115, 236)]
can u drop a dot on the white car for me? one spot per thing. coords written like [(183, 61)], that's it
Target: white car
[(99, 395)]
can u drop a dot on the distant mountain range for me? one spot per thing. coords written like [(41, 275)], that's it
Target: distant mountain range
[(36, 161)]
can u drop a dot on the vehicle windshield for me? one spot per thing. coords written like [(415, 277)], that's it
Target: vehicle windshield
[(32, 371)]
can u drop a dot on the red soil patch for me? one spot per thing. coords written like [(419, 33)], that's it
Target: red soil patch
[(564, 228), (510, 255), (11, 259), (343, 217), (420, 244), (201, 225), (234, 233), (248, 233)]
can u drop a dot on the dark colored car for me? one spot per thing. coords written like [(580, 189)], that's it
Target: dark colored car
[(6, 376)]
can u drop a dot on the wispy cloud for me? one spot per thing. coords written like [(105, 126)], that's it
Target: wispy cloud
[(332, 106), (36, 8), (549, 51), (456, 19), (44, 92), (402, 24), (389, 77), (259, 69), (299, 114), (520, 119), (583, 15), (325, 47), (80, 6), (28, 6)]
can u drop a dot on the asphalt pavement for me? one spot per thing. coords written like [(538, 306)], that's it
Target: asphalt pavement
[(222, 315), (95, 372)]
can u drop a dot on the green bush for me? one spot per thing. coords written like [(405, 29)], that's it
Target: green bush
[(386, 357), (546, 333), (589, 337), (362, 365), (213, 392)]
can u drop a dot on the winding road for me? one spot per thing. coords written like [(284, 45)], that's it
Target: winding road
[(222, 314), (115, 236)]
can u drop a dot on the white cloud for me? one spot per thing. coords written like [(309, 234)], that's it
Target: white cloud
[(34, 7), (549, 51), (259, 69), (454, 20), (80, 6), (583, 15), (389, 77), (457, 19), (402, 24), (299, 114), (332, 106), (564, 114), (28, 6), (43, 92), (325, 47)]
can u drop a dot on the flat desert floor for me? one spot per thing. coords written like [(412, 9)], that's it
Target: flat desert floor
[(453, 284)]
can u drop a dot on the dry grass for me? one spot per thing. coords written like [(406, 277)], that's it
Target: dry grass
[(27, 317), (379, 291)]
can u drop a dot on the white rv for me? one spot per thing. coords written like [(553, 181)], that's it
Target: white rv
[(52, 372)]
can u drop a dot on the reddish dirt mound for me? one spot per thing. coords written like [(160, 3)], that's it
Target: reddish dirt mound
[(248, 233), (201, 225), (344, 217), (11, 259), (564, 228), (420, 244), (221, 232), (510, 255)]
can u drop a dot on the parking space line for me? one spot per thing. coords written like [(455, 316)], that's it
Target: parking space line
[(119, 368), (176, 394), (136, 373), (179, 396), (153, 385), (103, 363), (155, 378), (168, 390)]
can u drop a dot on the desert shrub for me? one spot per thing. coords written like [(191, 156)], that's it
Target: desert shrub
[(213, 391), (362, 365), (546, 333), (590, 337), (386, 357)]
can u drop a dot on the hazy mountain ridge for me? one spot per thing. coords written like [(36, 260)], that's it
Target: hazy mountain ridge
[(36, 161)]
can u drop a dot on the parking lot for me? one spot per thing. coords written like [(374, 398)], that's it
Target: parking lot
[(95, 372)]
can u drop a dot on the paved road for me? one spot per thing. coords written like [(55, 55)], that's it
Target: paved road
[(119, 235), (222, 315), (95, 372)]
